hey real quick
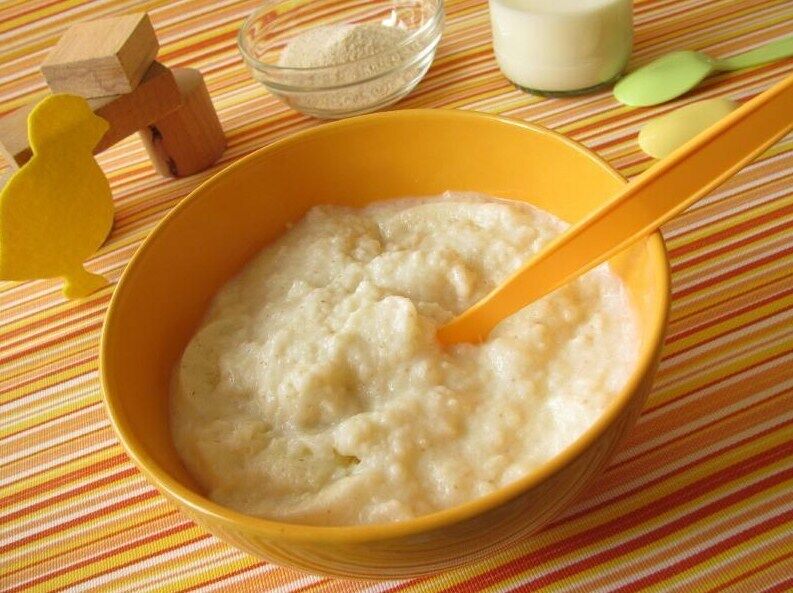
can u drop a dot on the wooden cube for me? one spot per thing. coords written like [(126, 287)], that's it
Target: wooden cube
[(156, 96), (189, 139), (103, 57)]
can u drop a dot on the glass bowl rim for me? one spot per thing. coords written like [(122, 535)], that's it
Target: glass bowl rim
[(243, 45), (412, 61)]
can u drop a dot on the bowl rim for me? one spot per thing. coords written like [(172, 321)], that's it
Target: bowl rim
[(243, 45), (213, 513)]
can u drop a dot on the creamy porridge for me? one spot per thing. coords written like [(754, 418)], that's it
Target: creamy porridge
[(315, 391)]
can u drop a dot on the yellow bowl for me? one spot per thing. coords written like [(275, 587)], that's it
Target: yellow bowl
[(167, 286)]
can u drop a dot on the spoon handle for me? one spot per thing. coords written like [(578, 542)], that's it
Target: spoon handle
[(770, 52), (661, 192)]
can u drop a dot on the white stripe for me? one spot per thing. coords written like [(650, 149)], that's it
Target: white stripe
[(86, 380), (68, 488), (132, 568), (740, 206), (231, 579), (44, 355), (668, 470), (745, 278), (718, 386), (42, 467), (49, 425), (51, 512), (641, 555), (60, 20), (59, 516), (668, 379), (719, 267), (687, 279), (87, 397), (627, 125), (751, 235), (691, 427), (641, 568), (733, 335), (34, 552), (54, 442), (46, 425), (699, 38), (780, 543), (160, 579)]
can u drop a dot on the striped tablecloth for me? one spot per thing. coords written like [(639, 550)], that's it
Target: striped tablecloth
[(699, 499)]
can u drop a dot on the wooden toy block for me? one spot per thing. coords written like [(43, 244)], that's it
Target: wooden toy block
[(155, 96), (103, 57), (189, 139), (14, 144)]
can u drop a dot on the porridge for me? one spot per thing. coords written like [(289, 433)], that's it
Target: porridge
[(315, 391)]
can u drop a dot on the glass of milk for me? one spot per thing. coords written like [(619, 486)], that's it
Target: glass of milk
[(562, 47)]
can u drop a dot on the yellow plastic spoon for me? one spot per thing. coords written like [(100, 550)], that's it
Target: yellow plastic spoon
[(661, 192)]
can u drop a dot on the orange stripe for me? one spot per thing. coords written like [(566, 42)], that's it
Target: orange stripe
[(722, 379), (699, 557), (660, 506), (569, 517), (95, 325), (63, 479), (77, 520), (785, 586), (662, 573), (77, 313), (772, 287), (757, 569), (732, 273), (78, 565), (733, 230), (94, 484)]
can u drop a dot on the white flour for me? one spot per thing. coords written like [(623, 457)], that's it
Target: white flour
[(348, 47), (340, 44)]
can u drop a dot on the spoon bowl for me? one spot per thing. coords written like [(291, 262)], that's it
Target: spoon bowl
[(664, 79), (677, 73)]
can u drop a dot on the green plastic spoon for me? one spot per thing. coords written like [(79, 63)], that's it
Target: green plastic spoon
[(675, 74)]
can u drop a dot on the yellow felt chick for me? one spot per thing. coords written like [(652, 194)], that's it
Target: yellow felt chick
[(57, 209)]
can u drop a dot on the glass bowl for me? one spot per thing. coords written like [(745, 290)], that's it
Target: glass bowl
[(350, 88)]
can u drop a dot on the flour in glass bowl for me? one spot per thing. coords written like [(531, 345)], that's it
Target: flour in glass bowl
[(340, 44), (364, 53), (315, 391)]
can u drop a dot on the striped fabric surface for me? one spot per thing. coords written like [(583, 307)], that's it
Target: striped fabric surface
[(699, 499)]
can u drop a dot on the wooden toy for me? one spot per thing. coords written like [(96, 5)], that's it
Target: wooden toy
[(57, 209), (189, 139), (104, 57), (110, 62), (14, 144), (156, 96)]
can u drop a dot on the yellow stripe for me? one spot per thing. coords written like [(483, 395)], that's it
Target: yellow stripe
[(641, 499), (66, 468)]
